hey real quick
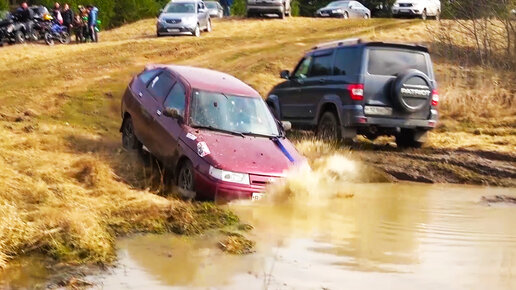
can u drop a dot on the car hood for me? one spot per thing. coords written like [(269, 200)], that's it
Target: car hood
[(255, 155), (177, 15)]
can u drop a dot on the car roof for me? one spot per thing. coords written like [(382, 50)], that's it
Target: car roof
[(359, 42), (210, 80)]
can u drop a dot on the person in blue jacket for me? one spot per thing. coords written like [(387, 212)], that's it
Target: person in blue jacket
[(92, 22), (226, 6)]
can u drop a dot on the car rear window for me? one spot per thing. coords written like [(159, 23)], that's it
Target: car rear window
[(393, 61), (347, 61)]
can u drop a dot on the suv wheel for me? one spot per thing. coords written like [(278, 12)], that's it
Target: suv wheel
[(407, 139), (346, 15), (328, 128), (423, 15), (129, 140), (197, 31)]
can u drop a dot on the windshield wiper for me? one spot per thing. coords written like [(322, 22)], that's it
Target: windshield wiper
[(260, 135), (218, 130)]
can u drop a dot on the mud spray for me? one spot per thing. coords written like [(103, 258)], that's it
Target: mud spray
[(327, 175)]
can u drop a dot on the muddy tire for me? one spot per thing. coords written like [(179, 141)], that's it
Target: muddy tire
[(186, 179), (328, 128), (406, 139), (129, 139)]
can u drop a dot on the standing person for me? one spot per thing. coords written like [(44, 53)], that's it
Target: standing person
[(57, 13), (68, 18), (78, 29), (226, 6), (92, 22)]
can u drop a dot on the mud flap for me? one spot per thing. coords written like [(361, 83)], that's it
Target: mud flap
[(348, 133), (420, 136)]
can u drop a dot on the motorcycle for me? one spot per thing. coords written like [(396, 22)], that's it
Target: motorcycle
[(22, 31), (7, 31)]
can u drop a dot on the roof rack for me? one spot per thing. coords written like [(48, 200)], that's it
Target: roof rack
[(336, 43)]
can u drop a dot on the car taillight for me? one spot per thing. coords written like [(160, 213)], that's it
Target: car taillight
[(435, 98), (356, 92)]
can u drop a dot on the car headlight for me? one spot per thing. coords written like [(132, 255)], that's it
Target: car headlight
[(161, 20), (229, 176)]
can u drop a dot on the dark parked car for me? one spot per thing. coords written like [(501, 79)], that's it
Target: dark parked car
[(214, 132), (350, 87), (344, 9)]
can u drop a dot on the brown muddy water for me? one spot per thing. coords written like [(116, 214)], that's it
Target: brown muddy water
[(366, 236)]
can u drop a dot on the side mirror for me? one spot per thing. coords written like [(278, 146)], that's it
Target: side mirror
[(174, 114), (287, 126), (285, 74)]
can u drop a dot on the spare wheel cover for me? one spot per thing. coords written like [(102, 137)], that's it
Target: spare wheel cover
[(412, 91)]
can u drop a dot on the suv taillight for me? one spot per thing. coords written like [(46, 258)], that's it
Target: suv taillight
[(435, 98), (356, 92)]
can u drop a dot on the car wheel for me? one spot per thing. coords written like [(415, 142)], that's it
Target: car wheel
[(366, 16), (197, 31), (158, 34), (49, 40), (222, 15), (328, 128), (407, 139), (281, 15), (129, 139), (185, 177), (208, 26), (423, 15), (19, 37), (346, 15), (438, 16)]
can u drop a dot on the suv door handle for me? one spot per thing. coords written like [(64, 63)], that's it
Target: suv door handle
[(322, 81), (158, 112)]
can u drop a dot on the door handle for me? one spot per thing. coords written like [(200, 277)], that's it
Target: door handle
[(140, 94), (322, 81), (158, 112)]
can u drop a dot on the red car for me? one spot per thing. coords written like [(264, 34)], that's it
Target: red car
[(213, 131)]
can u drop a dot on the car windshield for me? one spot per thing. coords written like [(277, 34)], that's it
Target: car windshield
[(338, 4), (211, 5), (181, 8), (237, 114)]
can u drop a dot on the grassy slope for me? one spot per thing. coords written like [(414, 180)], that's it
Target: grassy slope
[(65, 185)]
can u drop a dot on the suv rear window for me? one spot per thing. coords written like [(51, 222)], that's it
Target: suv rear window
[(390, 62)]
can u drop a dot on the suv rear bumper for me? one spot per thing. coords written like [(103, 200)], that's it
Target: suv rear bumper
[(353, 116), (266, 8)]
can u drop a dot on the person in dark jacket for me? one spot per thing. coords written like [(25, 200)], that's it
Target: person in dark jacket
[(25, 16), (68, 18), (92, 22), (226, 6)]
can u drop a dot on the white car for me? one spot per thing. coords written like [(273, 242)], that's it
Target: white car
[(417, 8)]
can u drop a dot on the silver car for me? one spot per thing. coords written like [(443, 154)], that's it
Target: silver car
[(215, 9), (183, 17), (344, 9)]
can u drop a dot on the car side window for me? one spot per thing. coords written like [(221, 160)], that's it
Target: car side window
[(322, 66), (176, 98), (347, 61), (147, 75), (302, 69), (160, 86)]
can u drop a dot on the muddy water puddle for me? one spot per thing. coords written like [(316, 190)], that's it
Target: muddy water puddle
[(366, 236), (385, 236)]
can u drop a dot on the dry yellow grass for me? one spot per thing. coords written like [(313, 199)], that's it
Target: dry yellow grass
[(66, 187)]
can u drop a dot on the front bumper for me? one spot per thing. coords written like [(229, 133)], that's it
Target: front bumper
[(212, 188), (266, 8), (406, 11), (353, 116), (329, 14), (174, 29)]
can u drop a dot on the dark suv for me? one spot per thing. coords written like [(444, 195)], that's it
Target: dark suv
[(349, 87)]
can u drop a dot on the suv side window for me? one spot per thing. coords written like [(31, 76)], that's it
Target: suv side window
[(160, 86), (176, 98), (347, 61), (322, 65), (302, 69)]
